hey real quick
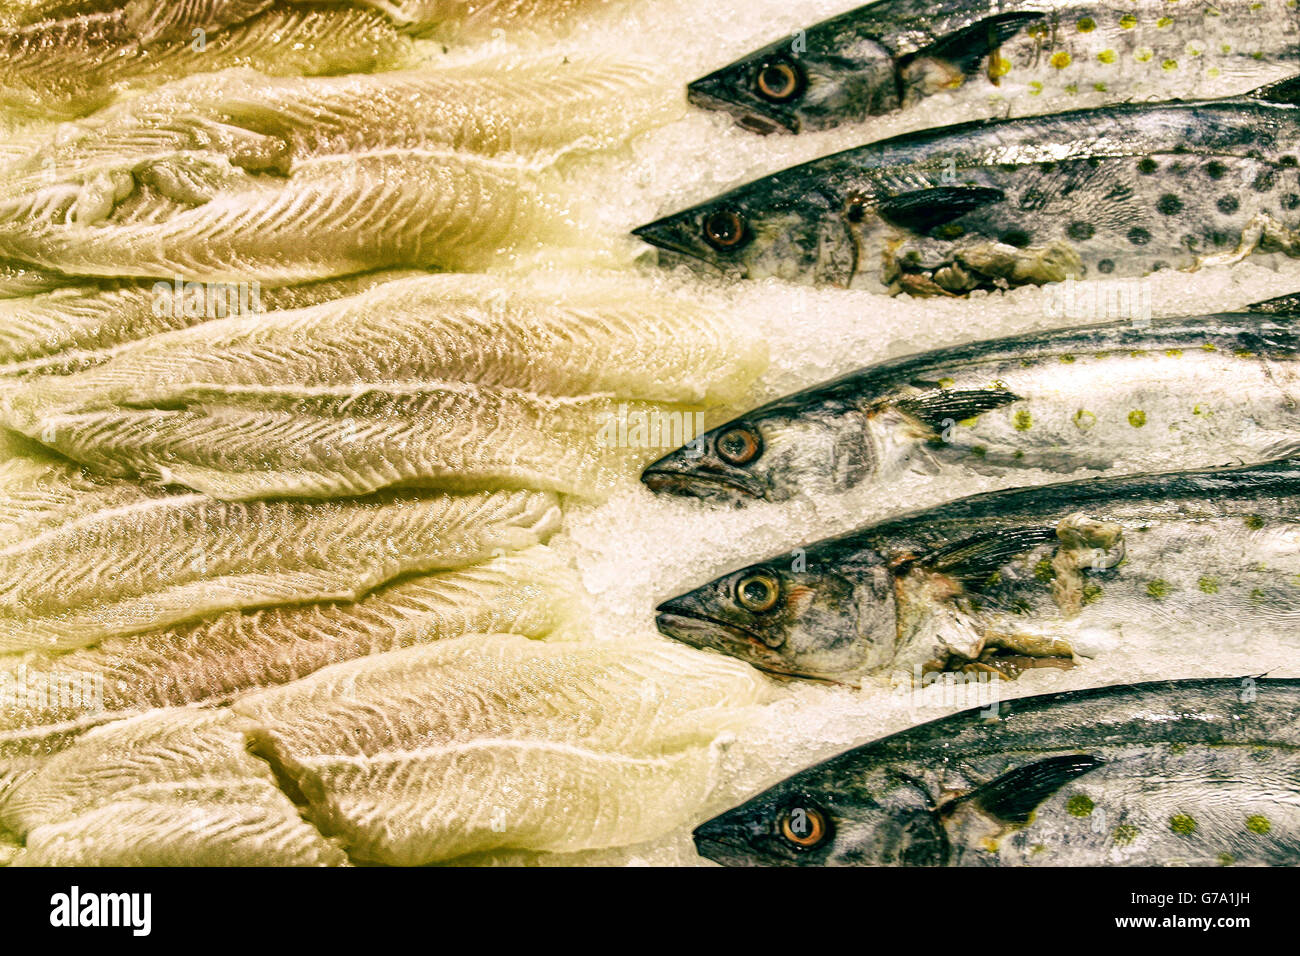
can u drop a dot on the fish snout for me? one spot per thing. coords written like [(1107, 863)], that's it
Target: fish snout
[(717, 92), (675, 474)]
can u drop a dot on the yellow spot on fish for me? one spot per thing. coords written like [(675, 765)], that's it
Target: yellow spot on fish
[(1256, 595), (1079, 805), (1164, 22), (1091, 593), (969, 422), (1128, 21), (1087, 25), (1024, 421), (1099, 87), (1208, 585), (1106, 56), (1182, 824), (1254, 522), (1060, 59), (1169, 65), (1137, 418), (1225, 48), (1226, 859), (1072, 89), (1044, 571), (1125, 834), (1258, 824), (1067, 358), (1257, 55), (1174, 353), (1158, 589), (1193, 51), (1084, 419), (1144, 54), (1213, 72), (1198, 410), (1209, 347), (1243, 353), (1035, 88), (947, 382)]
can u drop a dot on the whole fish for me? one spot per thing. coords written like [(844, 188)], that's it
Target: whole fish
[(1120, 191), (1034, 55), (1193, 772), (449, 380), (1122, 397), (1022, 578)]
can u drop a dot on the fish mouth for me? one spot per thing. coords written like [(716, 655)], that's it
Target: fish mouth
[(705, 94), (717, 843), (660, 234), (693, 484), (694, 629)]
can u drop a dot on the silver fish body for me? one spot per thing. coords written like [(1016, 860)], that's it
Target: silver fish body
[(1034, 55), (1121, 191), (1198, 772), (1107, 399), (996, 582)]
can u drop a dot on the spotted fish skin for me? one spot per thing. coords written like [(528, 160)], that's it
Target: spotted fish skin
[(1195, 772), (1121, 191), (1104, 399), (1032, 56), (1017, 578)]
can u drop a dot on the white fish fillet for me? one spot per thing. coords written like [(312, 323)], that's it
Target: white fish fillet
[(332, 216), (453, 387), (438, 751), (47, 700), (76, 327), (68, 67), (171, 788), (498, 106), (158, 562)]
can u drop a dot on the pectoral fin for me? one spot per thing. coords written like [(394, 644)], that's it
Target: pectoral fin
[(973, 560), (924, 209), (1012, 798), (949, 404)]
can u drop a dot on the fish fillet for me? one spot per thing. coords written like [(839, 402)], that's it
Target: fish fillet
[(498, 106), (333, 216), (484, 742), (67, 67), (173, 787), (75, 327), (158, 562), (47, 700), (221, 408)]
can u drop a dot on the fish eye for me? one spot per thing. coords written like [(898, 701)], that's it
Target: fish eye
[(738, 446), (758, 592), (804, 827), (724, 229), (779, 81)]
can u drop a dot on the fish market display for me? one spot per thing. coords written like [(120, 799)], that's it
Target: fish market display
[(51, 699), (1021, 578), (448, 381), (584, 744), (169, 788), (1121, 191), (76, 326), (1192, 773), (1033, 55), (168, 558), (1174, 393)]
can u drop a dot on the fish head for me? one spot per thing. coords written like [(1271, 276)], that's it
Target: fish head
[(771, 454), (810, 81), (788, 226), (806, 614), (833, 814)]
